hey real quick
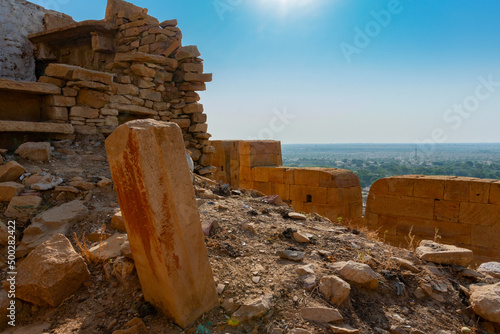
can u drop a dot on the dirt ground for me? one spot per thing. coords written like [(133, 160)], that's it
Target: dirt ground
[(242, 246)]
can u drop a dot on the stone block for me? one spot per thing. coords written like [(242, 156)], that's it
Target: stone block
[(96, 76), (429, 188), (39, 151), (60, 101), (155, 193), (479, 214), (92, 98), (11, 171), (426, 228), (446, 210), (495, 193), (192, 67), (260, 174), (50, 273), (85, 112), (143, 70), (184, 52), (479, 191), (456, 190), (485, 236), (198, 77), (307, 194), (8, 190), (56, 113), (61, 71), (402, 206)]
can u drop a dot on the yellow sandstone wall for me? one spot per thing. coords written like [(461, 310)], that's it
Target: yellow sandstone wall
[(256, 165), (466, 211)]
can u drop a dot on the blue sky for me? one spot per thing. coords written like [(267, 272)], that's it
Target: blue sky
[(340, 71)]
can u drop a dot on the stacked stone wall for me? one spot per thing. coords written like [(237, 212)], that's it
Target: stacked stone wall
[(457, 210), (256, 165)]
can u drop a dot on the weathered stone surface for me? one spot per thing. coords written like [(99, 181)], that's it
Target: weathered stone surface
[(54, 221), (443, 254), (85, 112), (50, 273), (117, 221), (143, 71), (187, 52), (334, 289), (253, 309), (168, 23), (92, 98), (88, 75), (16, 126), (36, 88), (488, 268), (60, 71), (109, 248), (485, 301), (301, 237), (405, 264), (11, 171), (133, 109), (321, 314), (21, 207), (291, 255), (358, 273), (155, 193), (146, 58), (35, 151), (8, 190), (198, 77)]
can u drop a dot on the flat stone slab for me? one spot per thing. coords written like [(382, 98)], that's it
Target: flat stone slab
[(35, 88), (39, 127), (71, 32), (444, 254)]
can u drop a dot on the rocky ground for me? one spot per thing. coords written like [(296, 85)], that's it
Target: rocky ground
[(276, 271)]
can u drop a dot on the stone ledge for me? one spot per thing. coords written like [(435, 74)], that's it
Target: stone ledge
[(35, 88), (70, 32)]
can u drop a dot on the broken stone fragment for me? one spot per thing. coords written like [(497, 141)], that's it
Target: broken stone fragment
[(253, 309), (9, 189), (47, 182), (11, 171), (54, 221), (190, 51), (117, 222), (297, 216), (168, 23), (291, 255), (443, 254), (358, 273), (109, 248), (335, 289), (301, 237), (35, 151), (485, 301), (50, 273), (490, 268), (22, 207), (405, 264), (321, 314)]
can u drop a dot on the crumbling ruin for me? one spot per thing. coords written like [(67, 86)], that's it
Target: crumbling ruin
[(89, 77)]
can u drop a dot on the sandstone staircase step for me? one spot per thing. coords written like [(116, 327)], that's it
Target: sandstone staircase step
[(38, 127)]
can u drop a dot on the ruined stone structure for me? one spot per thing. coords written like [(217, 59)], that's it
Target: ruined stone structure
[(155, 193), (332, 193), (94, 75), (465, 211)]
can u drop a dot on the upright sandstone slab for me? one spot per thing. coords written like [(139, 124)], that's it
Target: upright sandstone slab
[(151, 175)]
